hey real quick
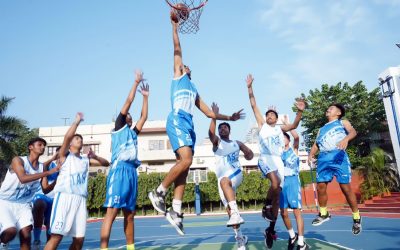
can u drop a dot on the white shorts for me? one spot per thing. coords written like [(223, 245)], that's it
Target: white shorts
[(68, 215), (271, 163), (13, 214), (236, 178)]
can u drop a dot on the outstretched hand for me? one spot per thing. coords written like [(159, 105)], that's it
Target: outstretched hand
[(249, 80), (285, 120), (174, 17), (238, 115), (138, 76), (91, 154), (215, 108), (300, 104), (79, 117), (144, 89)]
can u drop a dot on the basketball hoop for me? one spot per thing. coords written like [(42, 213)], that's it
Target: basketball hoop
[(188, 13)]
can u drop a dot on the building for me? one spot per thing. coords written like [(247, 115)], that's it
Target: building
[(154, 149)]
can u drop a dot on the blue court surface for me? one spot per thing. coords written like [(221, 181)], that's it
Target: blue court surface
[(210, 232)]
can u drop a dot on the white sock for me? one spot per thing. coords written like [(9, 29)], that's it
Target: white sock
[(161, 189), (233, 206), (177, 205), (291, 232), (300, 241), (238, 232)]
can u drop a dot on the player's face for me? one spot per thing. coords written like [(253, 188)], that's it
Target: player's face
[(223, 131), (129, 120), (271, 118), (77, 143), (332, 111), (37, 147)]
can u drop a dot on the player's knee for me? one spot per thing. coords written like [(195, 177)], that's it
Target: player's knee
[(8, 234), (77, 243), (186, 162), (39, 205), (284, 213), (25, 234), (225, 181)]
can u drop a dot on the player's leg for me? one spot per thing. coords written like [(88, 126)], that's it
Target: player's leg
[(106, 226), (25, 237), (8, 222), (300, 229), (323, 214), (228, 187), (129, 228), (284, 205), (53, 242), (38, 210), (77, 243), (351, 199)]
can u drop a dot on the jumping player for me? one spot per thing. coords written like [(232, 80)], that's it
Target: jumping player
[(122, 183), (180, 130), (332, 141), (229, 173)]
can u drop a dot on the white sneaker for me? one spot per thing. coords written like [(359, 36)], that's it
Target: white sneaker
[(242, 242), (36, 245), (3, 246), (235, 219)]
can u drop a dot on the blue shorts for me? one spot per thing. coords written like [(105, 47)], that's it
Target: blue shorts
[(290, 196), (122, 187), (334, 163), (49, 204), (180, 130)]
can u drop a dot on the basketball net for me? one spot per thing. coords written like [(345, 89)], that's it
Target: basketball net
[(189, 24)]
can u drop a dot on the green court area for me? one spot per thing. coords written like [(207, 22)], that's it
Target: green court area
[(252, 245)]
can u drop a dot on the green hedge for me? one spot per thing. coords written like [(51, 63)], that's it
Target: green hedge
[(250, 194)]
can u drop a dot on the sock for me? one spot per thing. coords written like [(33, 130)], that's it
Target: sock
[(36, 233), (323, 211), (272, 226), (233, 206), (300, 241), (177, 206), (238, 232), (130, 247), (291, 233), (161, 189), (356, 215)]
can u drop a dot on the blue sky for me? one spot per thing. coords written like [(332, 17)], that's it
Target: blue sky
[(60, 57)]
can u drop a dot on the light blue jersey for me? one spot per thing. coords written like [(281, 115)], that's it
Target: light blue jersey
[(13, 190), (330, 135), (291, 162), (271, 140), (183, 94), (124, 147)]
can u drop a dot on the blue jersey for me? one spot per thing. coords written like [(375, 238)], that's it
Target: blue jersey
[(183, 94), (124, 147), (291, 162), (330, 135)]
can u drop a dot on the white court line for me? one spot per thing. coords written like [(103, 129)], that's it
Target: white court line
[(335, 244)]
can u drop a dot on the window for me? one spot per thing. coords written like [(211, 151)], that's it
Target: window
[(51, 150), (156, 145), (94, 147)]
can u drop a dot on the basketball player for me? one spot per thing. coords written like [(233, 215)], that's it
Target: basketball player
[(68, 215), (270, 162), (122, 183), (42, 203), (180, 130), (290, 196), (332, 141), (21, 183), (229, 173)]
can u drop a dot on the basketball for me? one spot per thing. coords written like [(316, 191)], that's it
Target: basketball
[(182, 11)]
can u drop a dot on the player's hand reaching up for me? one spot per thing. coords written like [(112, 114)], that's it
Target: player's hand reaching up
[(78, 117), (144, 89), (238, 115), (300, 104), (285, 120), (215, 108), (138, 76), (249, 80)]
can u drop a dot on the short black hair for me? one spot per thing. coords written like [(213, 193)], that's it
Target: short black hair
[(286, 135), (79, 135), (226, 124), (35, 139), (271, 111), (341, 107)]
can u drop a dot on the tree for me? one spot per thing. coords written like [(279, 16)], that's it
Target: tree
[(364, 110)]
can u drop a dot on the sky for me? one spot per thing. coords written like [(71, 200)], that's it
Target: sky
[(61, 57)]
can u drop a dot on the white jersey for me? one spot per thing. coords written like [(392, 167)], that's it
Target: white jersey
[(271, 140), (13, 190), (227, 158), (73, 176)]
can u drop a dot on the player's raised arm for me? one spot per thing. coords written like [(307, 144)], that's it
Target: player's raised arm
[(69, 136), (296, 138), (211, 131), (144, 90), (132, 92), (301, 105), (202, 106), (178, 64), (256, 111)]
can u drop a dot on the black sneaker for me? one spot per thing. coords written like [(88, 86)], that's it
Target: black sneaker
[(303, 247), (321, 219), (175, 220), (270, 236), (267, 213), (292, 242), (157, 200), (356, 226)]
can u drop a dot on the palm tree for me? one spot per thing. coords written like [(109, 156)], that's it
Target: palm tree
[(380, 176), (9, 128)]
